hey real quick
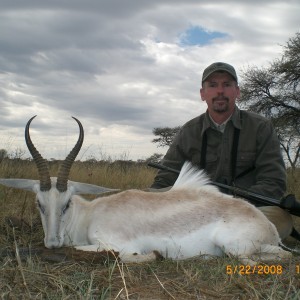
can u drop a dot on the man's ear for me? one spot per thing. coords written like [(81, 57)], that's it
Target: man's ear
[(238, 96), (202, 94)]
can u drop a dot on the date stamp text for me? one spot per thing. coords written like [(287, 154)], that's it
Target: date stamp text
[(258, 269)]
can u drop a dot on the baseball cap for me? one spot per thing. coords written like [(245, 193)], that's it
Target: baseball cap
[(219, 66)]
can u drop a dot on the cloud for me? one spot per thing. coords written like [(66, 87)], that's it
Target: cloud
[(123, 67)]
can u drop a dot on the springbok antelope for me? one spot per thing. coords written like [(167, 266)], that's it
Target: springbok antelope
[(190, 219)]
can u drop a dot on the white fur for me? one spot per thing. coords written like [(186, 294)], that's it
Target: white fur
[(192, 178), (192, 218)]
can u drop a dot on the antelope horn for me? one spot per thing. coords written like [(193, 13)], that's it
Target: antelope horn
[(41, 164), (65, 167)]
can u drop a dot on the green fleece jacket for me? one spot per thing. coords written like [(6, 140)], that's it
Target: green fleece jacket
[(258, 153)]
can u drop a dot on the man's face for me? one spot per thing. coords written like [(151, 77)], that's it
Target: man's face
[(220, 92)]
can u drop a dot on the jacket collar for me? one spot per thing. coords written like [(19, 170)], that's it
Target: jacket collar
[(235, 119)]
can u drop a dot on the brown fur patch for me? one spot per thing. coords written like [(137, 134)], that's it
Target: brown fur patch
[(158, 256)]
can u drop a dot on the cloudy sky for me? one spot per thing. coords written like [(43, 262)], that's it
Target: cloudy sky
[(122, 67)]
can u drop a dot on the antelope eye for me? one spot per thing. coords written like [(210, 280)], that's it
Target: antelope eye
[(66, 207), (41, 208)]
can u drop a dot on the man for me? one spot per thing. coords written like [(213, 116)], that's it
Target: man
[(235, 147)]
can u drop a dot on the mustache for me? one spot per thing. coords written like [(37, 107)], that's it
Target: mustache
[(218, 98)]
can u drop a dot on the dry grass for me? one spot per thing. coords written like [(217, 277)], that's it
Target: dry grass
[(294, 182), (28, 271)]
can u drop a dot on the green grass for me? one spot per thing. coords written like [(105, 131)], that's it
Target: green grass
[(67, 274)]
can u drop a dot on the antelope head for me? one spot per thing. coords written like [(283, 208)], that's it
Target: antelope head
[(54, 194)]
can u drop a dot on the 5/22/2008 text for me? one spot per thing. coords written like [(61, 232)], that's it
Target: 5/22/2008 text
[(256, 269)]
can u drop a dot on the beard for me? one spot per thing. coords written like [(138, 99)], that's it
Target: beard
[(220, 104)]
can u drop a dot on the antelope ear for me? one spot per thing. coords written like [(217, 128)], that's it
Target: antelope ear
[(85, 188), (24, 184)]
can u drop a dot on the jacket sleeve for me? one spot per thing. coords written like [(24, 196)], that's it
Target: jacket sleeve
[(270, 173), (174, 159)]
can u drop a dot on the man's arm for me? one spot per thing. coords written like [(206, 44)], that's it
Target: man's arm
[(173, 159), (270, 170)]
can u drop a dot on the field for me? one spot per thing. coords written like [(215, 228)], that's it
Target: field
[(29, 271)]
